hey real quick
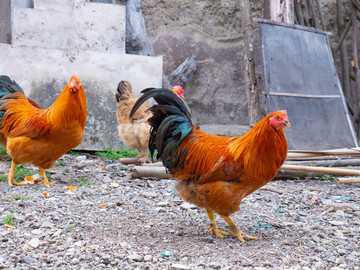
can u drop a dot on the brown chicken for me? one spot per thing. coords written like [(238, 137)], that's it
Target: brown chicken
[(40, 136), (214, 172), (134, 131)]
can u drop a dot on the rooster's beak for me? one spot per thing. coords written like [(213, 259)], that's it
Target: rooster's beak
[(287, 124)]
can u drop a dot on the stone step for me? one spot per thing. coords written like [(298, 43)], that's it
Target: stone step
[(61, 25)]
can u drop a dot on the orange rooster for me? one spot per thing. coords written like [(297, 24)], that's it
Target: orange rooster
[(40, 136), (215, 172)]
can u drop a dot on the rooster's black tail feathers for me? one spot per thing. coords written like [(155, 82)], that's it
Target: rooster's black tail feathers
[(170, 121)]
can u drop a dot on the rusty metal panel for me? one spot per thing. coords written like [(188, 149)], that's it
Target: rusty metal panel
[(300, 76)]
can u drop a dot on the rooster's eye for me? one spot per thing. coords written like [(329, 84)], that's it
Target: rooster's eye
[(277, 118)]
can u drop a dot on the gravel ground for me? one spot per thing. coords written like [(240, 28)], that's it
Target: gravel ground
[(115, 222)]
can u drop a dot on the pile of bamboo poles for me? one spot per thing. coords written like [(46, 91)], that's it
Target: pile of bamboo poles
[(338, 162), (299, 163)]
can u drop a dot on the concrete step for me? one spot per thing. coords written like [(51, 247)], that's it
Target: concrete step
[(61, 25)]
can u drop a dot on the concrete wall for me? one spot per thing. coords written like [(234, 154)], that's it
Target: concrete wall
[(212, 30), (5, 22)]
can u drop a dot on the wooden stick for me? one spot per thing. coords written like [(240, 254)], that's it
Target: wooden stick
[(348, 180), (320, 169), (159, 172)]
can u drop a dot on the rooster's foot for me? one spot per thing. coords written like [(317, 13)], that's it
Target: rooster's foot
[(44, 178), (143, 160), (215, 231), (241, 235), (46, 182), (11, 182), (234, 230)]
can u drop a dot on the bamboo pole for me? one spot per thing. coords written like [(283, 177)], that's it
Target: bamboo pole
[(139, 171), (343, 52), (129, 160), (298, 12), (355, 150), (320, 14), (326, 170), (252, 93), (325, 163), (346, 180)]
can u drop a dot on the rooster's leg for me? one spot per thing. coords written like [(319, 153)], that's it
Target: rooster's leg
[(44, 178), (213, 227), (144, 157), (234, 230), (11, 174)]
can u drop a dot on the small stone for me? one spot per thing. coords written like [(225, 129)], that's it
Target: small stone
[(34, 242), (319, 266), (114, 185), (336, 223), (149, 194), (36, 177), (339, 213), (75, 261), (340, 261), (107, 179), (26, 235), (79, 244), (302, 213), (338, 206), (57, 233), (18, 218), (215, 265), (135, 257), (177, 266), (160, 209), (36, 232), (81, 158), (161, 204), (187, 206), (27, 260), (148, 258), (105, 261), (47, 224), (342, 251), (70, 252)]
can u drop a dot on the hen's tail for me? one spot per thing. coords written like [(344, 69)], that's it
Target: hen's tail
[(124, 91), (9, 89), (170, 122)]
